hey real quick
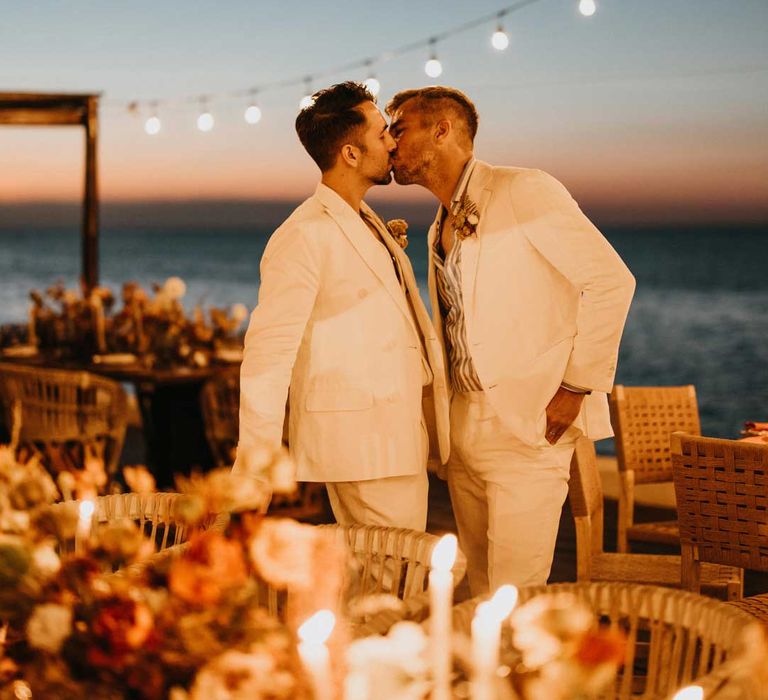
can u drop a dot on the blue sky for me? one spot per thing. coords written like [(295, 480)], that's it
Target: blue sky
[(659, 104)]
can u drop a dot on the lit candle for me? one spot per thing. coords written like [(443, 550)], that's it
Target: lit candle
[(440, 603), (86, 510), (314, 653), (691, 692), (486, 637)]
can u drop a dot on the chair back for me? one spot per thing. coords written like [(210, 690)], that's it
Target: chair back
[(65, 408), (643, 418), (153, 513), (674, 638), (722, 500), (220, 404), (585, 494)]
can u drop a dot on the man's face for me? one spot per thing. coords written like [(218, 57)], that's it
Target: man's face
[(415, 154), (376, 146)]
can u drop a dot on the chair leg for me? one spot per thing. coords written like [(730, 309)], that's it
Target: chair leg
[(690, 573), (626, 508)]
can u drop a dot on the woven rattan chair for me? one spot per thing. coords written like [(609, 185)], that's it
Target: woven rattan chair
[(65, 413), (644, 417), (220, 404), (153, 513), (593, 563), (386, 560), (393, 561), (675, 638), (722, 496)]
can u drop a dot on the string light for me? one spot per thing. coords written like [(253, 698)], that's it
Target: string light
[(205, 120), (371, 82), (252, 113), (307, 100), (152, 125), (433, 68), (500, 40), (587, 7)]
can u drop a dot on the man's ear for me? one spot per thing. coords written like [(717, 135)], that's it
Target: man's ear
[(442, 130), (350, 155)]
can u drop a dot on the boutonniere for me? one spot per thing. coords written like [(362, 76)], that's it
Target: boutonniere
[(465, 218), (398, 229)]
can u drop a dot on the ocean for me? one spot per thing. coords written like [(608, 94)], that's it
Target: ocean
[(700, 313)]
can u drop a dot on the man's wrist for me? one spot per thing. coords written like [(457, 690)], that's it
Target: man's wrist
[(575, 389)]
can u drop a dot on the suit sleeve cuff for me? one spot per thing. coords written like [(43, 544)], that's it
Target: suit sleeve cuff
[(575, 389)]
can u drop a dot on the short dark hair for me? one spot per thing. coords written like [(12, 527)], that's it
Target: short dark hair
[(325, 125), (432, 101)]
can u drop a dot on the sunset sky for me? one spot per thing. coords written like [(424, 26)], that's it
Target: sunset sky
[(647, 111)]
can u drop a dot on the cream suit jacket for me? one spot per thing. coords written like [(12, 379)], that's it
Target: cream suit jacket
[(545, 300), (333, 323)]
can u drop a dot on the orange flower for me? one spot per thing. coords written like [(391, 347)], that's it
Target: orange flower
[(602, 646), (211, 565), (139, 480), (121, 626)]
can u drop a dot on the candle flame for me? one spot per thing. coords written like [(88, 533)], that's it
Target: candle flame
[(503, 601), (86, 510), (691, 692), (444, 553), (317, 628)]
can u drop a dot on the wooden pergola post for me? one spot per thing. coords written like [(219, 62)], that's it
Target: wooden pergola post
[(42, 109)]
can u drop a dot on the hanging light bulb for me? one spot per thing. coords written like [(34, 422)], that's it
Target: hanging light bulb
[(433, 68), (307, 100), (252, 112), (371, 83), (500, 39), (152, 125), (587, 7), (205, 119)]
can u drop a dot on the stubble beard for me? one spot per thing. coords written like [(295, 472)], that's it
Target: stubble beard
[(416, 175)]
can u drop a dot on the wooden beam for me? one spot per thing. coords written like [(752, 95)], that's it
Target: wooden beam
[(90, 238), (42, 117)]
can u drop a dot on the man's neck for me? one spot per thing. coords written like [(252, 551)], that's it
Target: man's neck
[(350, 190), (447, 179)]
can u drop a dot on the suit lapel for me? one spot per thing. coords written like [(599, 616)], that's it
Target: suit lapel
[(479, 191), (359, 235)]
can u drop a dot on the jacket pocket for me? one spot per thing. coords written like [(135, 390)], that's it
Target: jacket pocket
[(347, 399)]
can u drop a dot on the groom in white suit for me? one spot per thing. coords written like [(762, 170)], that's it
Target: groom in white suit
[(530, 302), (339, 320)]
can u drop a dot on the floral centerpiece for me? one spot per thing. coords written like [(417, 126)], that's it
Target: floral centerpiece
[(153, 326), (191, 625)]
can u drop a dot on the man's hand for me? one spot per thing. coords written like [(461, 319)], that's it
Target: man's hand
[(561, 412)]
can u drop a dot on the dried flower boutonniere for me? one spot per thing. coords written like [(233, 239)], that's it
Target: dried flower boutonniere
[(465, 218), (398, 229)]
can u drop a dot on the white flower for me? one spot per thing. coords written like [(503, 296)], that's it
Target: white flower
[(45, 560), (49, 626), (239, 312), (235, 675), (282, 552), (394, 667), (174, 288)]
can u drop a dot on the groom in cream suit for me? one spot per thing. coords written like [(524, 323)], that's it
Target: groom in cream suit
[(530, 301), (339, 320)]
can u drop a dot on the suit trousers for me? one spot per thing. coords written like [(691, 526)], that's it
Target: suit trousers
[(507, 496), (396, 501)]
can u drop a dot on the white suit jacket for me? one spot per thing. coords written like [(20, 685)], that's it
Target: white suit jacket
[(333, 323), (545, 300)]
